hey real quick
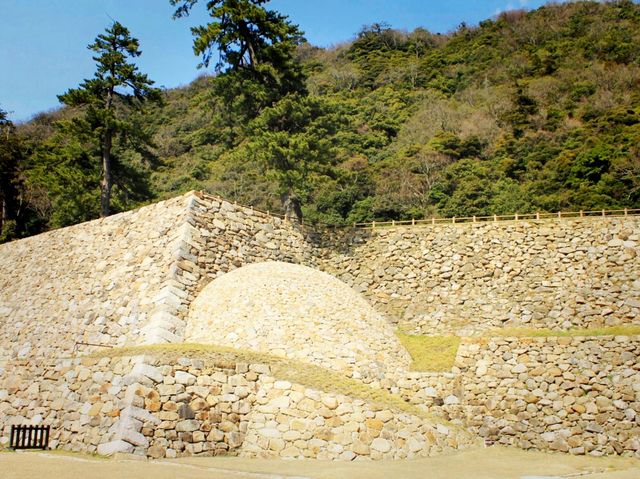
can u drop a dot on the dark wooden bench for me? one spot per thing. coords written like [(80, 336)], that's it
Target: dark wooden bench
[(29, 437)]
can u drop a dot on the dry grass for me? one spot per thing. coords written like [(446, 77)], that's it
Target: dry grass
[(430, 353), (620, 330)]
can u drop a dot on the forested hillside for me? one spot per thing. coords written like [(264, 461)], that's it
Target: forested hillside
[(530, 111)]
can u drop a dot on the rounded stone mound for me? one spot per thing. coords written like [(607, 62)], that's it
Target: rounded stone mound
[(297, 312)]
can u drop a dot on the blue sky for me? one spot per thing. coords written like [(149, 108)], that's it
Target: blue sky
[(43, 42)]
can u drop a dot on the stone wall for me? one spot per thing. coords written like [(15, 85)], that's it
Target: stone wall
[(96, 282), (469, 278), (577, 395), (129, 278), (300, 313), (132, 278), (215, 238), (175, 407)]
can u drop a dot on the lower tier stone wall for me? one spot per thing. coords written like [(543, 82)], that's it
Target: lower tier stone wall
[(578, 395), (159, 408)]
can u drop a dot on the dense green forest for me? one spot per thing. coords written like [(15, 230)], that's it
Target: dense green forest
[(529, 111)]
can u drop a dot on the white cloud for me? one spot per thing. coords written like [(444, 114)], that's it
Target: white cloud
[(511, 6)]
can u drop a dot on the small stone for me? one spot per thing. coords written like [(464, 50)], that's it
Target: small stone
[(548, 436), (330, 402), (381, 445), (156, 452), (215, 435), (385, 416), (148, 371), (375, 424), (113, 447), (347, 456), (188, 426), (269, 432), (450, 400), (360, 448), (187, 379), (430, 392)]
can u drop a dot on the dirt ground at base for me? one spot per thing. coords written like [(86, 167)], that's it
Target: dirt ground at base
[(490, 463)]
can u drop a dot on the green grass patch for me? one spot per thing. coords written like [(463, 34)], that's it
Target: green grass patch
[(620, 330), (309, 375), (430, 353)]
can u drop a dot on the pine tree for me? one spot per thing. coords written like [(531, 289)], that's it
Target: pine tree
[(10, 164), (116, 88), (253, 49), (254, 52)]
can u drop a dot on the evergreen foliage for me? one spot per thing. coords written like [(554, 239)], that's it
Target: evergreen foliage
[(529, 111), (107, 102), (257, 69), (10, 164)]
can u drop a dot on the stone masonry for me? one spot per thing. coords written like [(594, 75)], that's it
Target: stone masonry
[(297, 312), (577, 395), (469, 278), (188, 406), (133, 279)]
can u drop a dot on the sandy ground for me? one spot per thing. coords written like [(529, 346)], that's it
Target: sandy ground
[(489, 463)]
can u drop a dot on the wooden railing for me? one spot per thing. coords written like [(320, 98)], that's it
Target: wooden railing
[(450, 220), (497, 218)]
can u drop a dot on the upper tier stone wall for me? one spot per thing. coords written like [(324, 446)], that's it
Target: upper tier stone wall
[(95, 282), (129, 278), (217, 237), (468, 278)]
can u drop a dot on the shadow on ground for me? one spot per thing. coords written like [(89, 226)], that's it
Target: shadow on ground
[(484, 463)]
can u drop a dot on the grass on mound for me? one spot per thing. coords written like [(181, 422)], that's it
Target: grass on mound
[(309, 375), (430, 353), (619, 330)]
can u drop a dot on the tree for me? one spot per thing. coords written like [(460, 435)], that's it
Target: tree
[(257, 69), (116, 88), (10, 165), (251, 43)]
